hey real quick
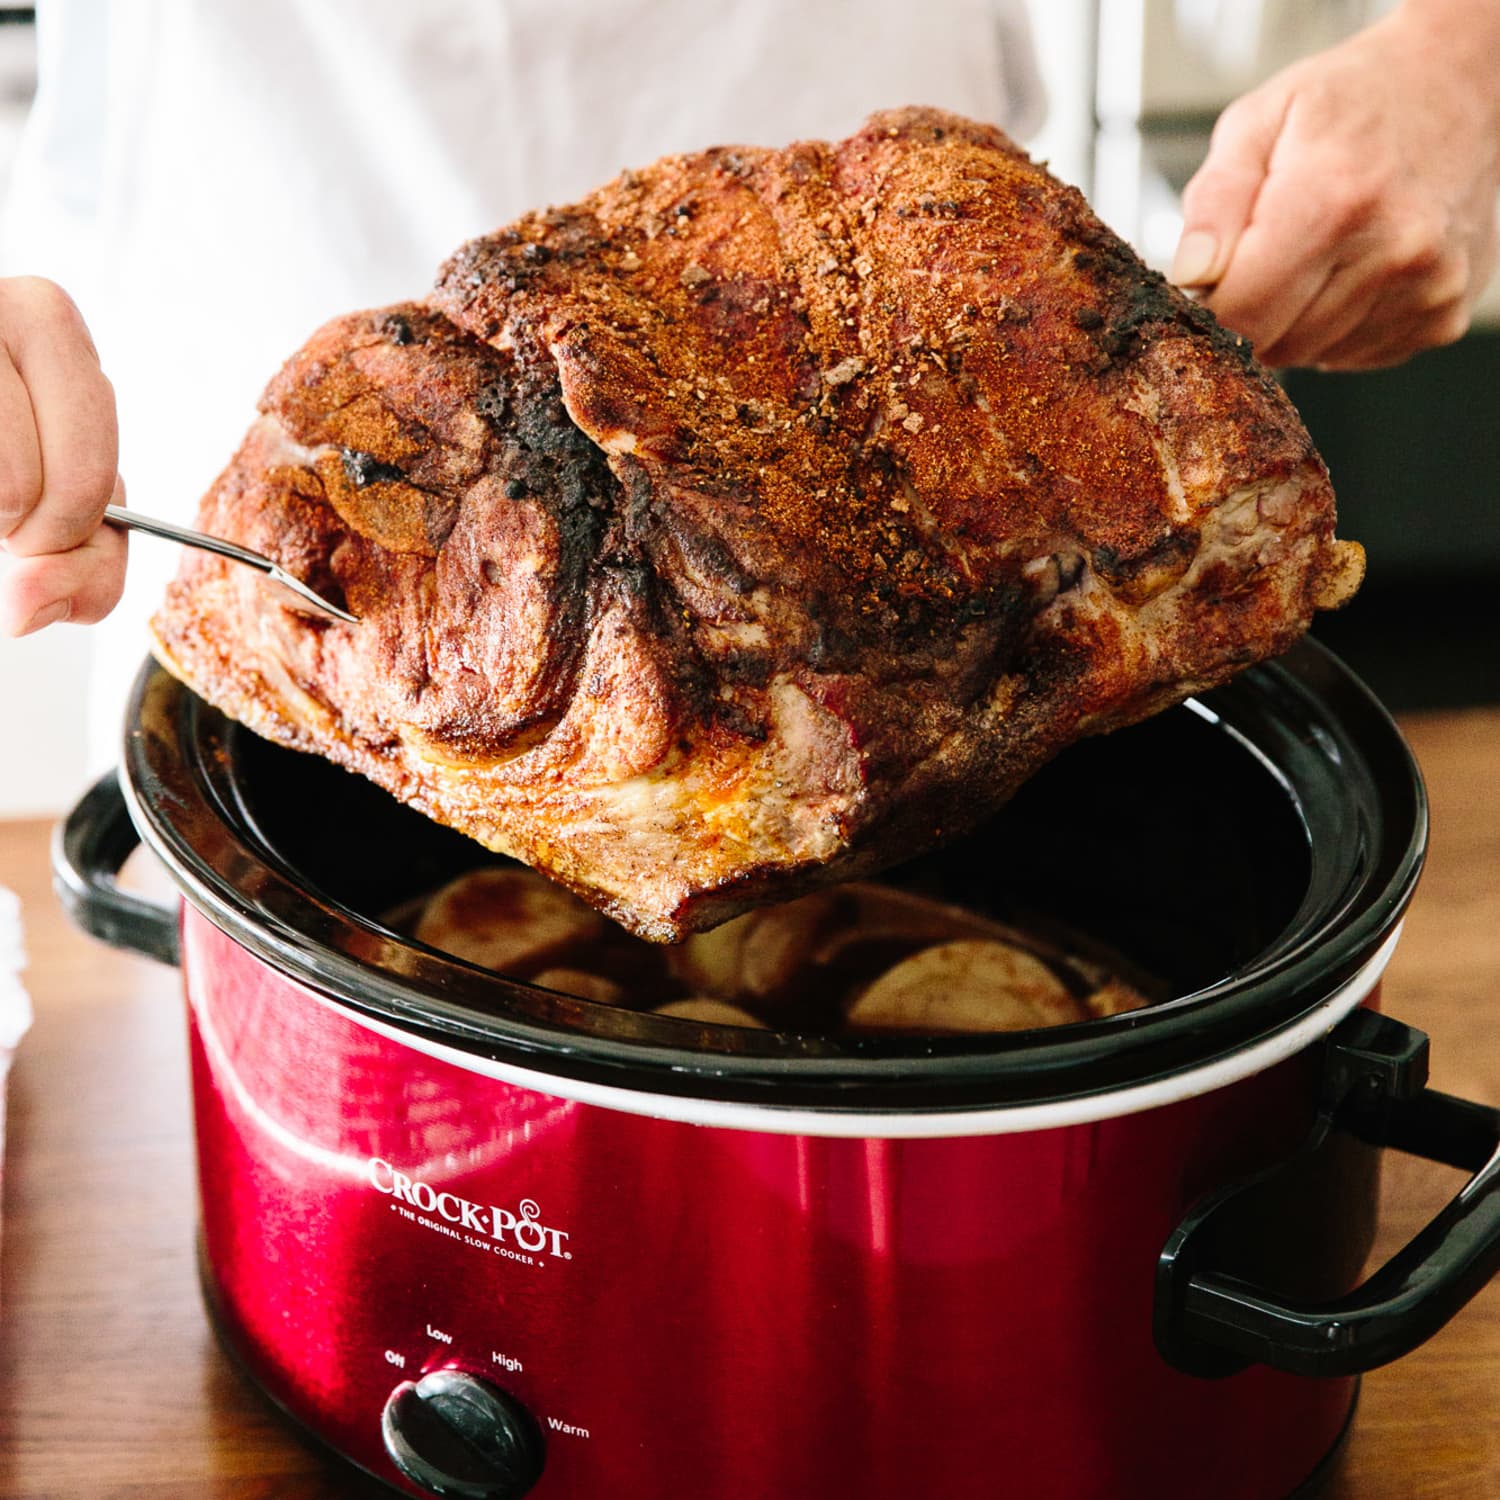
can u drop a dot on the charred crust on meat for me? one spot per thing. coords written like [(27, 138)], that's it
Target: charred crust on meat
[(629, 577), (1070, 570), (709, 556), (362, 469), (396, 329), (831, 649), (489, 402), (745, 668), (1171, 554), (580, 527), (1002, 608), (636, 496), (740, 720), (1141, 299)]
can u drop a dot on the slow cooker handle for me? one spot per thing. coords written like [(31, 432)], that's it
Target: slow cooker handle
[(1212, 1323), (88, 849)]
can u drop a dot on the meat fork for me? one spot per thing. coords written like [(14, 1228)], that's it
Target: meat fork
[(133, 520)]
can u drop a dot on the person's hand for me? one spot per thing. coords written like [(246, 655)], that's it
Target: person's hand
[(58, 454), (1346, 214)]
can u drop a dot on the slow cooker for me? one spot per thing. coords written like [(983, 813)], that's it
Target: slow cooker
[(487, 1240)]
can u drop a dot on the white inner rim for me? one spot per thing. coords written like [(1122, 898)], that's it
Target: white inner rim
[(773, 1119)]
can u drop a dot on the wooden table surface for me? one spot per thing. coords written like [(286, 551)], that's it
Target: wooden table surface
[(112, 1388)]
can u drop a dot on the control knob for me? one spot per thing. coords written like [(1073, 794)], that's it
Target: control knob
[(455, 1434)]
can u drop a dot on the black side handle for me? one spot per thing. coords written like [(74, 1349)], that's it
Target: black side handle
[(88, 848), (1211, 1323)]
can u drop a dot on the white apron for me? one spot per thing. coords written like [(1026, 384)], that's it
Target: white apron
[(213, 179)]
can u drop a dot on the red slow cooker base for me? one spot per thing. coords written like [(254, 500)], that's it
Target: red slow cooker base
[(1314, 1485), (704, 1311), (456, 1222)]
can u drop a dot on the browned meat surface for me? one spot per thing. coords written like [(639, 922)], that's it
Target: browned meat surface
[(758, 520)]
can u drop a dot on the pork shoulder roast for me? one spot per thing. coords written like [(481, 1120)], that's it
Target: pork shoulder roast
[(759, 520)]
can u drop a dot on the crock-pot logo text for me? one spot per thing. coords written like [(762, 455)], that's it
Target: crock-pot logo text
[(517, 1233)]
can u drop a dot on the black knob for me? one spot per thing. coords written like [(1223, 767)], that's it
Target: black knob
[(455, 1434)]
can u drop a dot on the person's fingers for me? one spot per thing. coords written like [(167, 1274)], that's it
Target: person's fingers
[(1414, 297), (72, 410), (81, 585), (1387, 341), (20, 456), (1484, 253), (1292, 249), (1218, 202), (1347, 300), (1383, 277)]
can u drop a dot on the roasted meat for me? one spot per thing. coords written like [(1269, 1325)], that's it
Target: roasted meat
[(759, 520)]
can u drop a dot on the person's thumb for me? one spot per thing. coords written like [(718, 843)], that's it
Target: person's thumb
[(1218, 203)]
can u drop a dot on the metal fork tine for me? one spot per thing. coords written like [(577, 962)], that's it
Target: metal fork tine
[(133, 520)]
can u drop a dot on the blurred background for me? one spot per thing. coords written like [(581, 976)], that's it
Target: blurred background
[(1134, 87)]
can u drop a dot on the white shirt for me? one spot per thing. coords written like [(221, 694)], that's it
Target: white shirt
[(213, 179)]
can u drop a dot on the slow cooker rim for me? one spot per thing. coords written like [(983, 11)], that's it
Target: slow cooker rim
[(943, 1119), (175, 751)]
